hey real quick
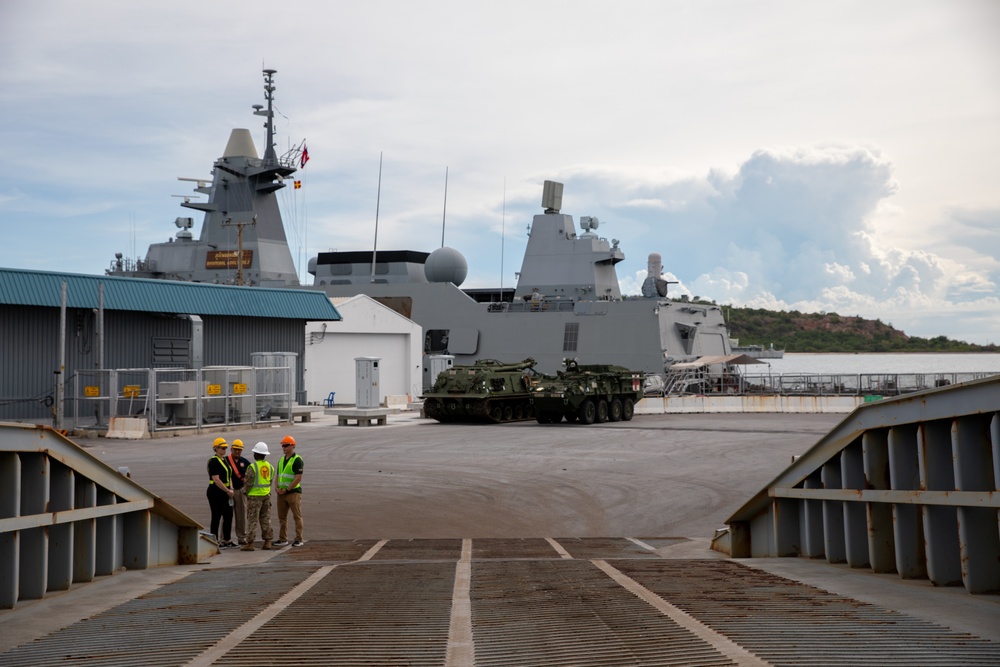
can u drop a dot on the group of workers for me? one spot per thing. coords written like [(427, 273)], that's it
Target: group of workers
[(240, 489)]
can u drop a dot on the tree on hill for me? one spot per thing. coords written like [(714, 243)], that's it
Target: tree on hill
[(793, 331)]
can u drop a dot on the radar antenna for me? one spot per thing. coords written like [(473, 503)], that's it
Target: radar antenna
[(269, 87)]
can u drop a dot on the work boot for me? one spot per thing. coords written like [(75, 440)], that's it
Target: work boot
[(246, 547), (267, 545)]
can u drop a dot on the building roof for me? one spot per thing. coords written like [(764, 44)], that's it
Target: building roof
[(22, 287)]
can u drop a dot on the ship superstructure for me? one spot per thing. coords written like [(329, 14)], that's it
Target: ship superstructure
[(567, 302), (242, 240)]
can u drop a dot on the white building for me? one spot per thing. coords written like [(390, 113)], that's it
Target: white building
[(368, 329)]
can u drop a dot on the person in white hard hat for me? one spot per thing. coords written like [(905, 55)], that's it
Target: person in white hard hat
[(260, 475)]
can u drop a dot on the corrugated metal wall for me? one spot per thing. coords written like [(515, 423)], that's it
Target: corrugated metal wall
[(29, 348)]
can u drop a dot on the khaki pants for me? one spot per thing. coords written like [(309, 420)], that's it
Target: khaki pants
[(240, 514), (259, 510), (289, 501)]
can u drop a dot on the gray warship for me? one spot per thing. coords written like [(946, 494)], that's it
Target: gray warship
[(567, 302)]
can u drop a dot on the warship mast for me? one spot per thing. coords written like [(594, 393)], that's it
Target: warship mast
[(241, 195)]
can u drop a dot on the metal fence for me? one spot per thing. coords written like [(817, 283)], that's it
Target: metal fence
[(868, 384), (181, 399)]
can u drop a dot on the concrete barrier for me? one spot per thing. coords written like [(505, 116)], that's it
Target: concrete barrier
[(398, 402), (658, 405), (128, 428)]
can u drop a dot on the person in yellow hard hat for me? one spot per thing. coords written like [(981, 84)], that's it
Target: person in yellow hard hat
[(238, 466), (289, 488), (220, 493)]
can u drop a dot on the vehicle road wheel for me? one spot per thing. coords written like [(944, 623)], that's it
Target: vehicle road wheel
[(615, 410), (602, 412), (508, 413), (588, 412), (628, 409), (496, 413), (519, 412)]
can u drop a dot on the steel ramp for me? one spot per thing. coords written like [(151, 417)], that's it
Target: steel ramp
[(496, 602)]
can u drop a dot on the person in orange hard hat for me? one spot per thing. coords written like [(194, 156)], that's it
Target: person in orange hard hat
[(289, 489), (220, 493)]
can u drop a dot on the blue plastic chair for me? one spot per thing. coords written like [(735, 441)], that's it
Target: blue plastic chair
[(328, 401)]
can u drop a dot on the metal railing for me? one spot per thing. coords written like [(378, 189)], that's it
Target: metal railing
[(181, 399), (791, 384), (906, 485)]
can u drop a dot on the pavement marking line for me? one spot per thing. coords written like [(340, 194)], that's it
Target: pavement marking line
[(461, 651), (642, 544), (374, 550), (558, 547), (718, 641), (230, 641)]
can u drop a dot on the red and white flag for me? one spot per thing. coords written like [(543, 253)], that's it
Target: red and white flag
[(305, 156)]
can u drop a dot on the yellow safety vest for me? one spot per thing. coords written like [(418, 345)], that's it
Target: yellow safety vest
[(225, 467), (285, 474), (262, 473)]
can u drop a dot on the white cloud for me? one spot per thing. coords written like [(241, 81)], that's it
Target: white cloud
[(795, 226)]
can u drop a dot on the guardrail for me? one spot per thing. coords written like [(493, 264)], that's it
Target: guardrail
[(67, 518), (907, 484)]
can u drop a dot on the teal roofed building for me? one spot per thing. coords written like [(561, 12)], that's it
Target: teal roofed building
[(116, 323)]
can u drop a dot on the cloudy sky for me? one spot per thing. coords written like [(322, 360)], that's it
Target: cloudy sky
[(820, 156)]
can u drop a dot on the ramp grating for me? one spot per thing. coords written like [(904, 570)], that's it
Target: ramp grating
[(168, 626), (568, 612), (359, 614), (604, 547), (515, 547), (789, 623), (328, 551), (515, 603), (444, 549)]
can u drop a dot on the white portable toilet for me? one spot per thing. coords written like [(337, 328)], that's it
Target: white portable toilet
[(366, 382), (436, 364)]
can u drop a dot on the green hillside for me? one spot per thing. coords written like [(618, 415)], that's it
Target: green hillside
[(829, 332)]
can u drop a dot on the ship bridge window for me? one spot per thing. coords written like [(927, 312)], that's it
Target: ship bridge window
[(340, 269), (570, 336)]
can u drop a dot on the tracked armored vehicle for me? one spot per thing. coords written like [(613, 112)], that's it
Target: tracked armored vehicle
[(487, 391), (589, 394)]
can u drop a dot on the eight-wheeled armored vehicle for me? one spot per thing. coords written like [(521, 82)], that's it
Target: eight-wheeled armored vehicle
[(587, 393)]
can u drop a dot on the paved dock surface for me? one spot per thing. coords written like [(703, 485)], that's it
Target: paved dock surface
[(513, 544)]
